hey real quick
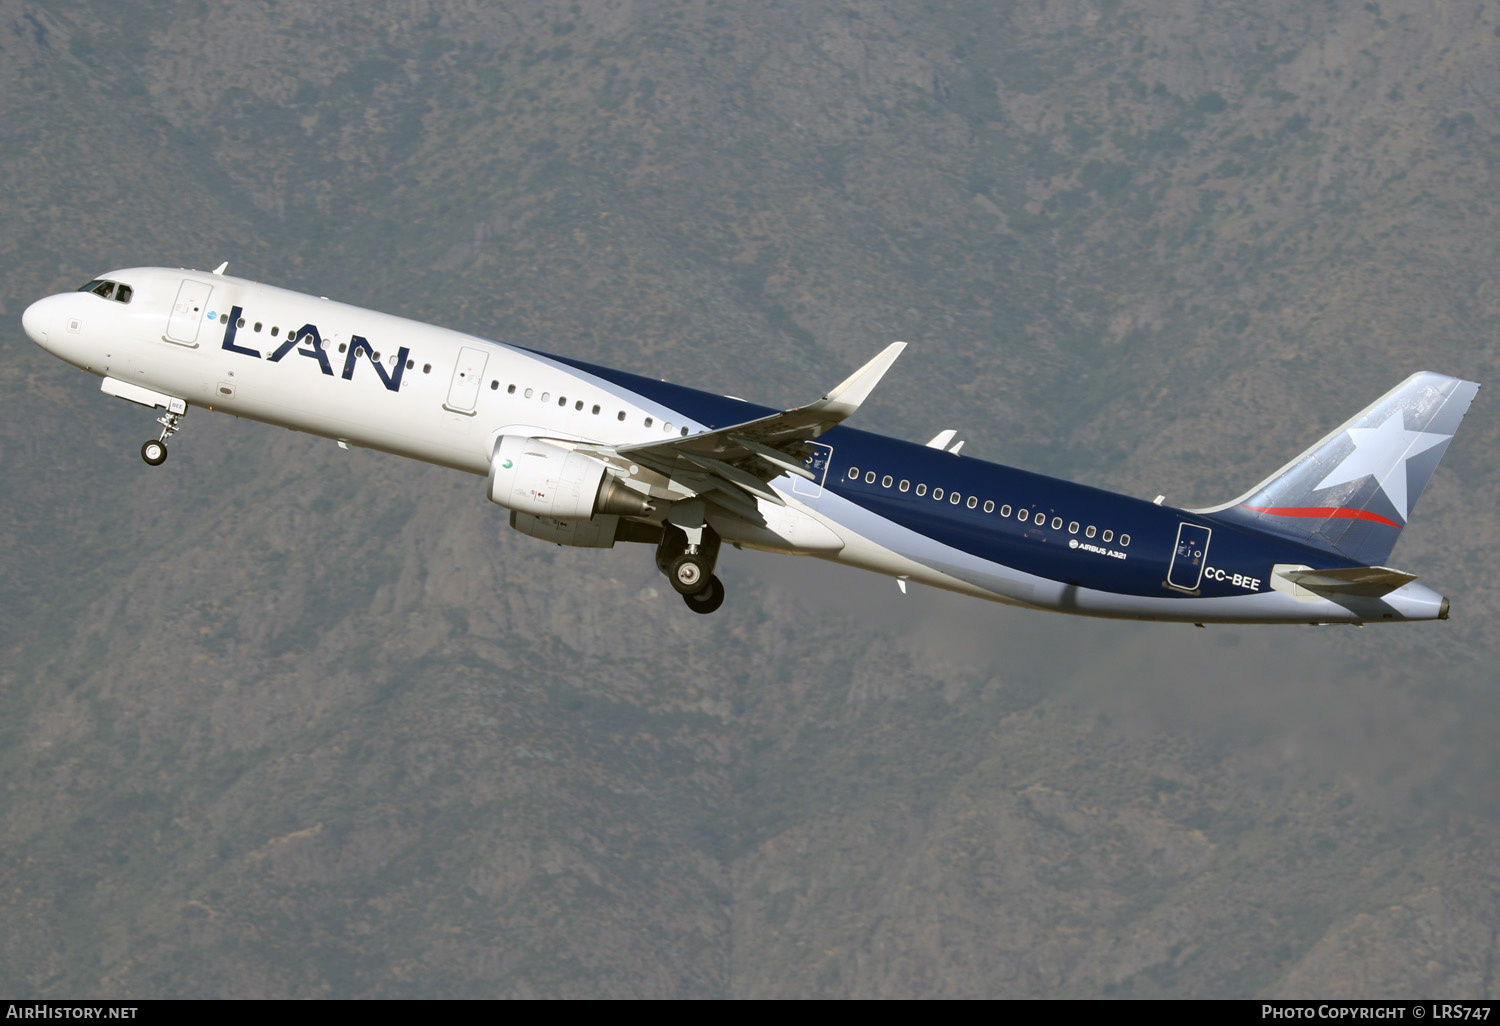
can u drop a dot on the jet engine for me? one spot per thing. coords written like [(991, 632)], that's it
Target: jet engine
[(531, 476)]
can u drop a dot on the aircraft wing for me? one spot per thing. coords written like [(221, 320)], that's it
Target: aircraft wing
[(737, 462)]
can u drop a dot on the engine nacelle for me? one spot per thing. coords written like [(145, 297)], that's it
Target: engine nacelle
[(531, 476), (598, 533)]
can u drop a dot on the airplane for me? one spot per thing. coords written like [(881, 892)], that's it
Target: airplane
[(588, 456)]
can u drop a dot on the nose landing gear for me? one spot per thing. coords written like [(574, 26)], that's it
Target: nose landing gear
[(687, 556), (154, 451)]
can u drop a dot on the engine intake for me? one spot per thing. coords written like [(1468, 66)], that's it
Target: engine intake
[(545, 480)]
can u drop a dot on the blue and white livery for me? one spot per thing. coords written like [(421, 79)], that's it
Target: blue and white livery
[(588, 456)]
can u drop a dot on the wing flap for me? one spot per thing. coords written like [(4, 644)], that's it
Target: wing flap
[(735, 476)]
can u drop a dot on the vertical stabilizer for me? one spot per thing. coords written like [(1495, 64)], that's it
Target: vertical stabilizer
[(1354, 491)]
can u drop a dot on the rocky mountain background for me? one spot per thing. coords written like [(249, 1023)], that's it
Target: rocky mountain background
[(278, 720)]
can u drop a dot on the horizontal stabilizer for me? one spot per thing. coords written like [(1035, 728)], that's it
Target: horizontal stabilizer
[(1353, 580)]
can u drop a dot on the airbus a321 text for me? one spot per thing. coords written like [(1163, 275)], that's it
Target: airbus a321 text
[(588, 456)]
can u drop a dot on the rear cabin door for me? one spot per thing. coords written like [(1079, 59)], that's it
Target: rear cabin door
[(463, 393), (1189, 557), (187, 312)]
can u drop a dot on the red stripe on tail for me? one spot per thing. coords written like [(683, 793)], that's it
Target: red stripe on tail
[(1325, 513)]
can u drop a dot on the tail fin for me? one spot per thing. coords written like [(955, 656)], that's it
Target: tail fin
[(1353, 492)]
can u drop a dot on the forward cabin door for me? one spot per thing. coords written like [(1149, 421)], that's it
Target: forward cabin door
[(1189, 557), (463, 392), (187, 312)]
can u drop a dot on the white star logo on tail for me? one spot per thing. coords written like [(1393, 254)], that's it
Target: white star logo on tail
[(1381, 452)]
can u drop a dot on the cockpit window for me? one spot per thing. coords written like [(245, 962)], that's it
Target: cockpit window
[(108, 290)]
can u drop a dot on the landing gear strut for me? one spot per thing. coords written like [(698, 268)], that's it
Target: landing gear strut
[(688, 563), (154, 451)]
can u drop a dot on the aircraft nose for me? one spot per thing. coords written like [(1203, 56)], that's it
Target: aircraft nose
[(34, 322)]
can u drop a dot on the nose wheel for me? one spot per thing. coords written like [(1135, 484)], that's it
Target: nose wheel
[(154, 451)]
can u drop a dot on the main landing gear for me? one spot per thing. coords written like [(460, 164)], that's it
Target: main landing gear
[(154, 451), (689, 565)]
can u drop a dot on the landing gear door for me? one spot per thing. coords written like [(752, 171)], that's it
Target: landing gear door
[(1189, 557), (187, 312), (818, 464)]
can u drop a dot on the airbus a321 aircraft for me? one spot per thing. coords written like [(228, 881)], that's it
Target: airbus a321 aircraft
[(588, 456)]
